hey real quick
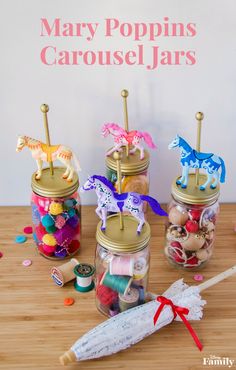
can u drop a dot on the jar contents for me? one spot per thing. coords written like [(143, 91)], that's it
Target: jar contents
[(121, 280), (56, 225), (190, 234)]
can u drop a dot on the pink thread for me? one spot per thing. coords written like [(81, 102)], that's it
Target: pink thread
[(122, 266)]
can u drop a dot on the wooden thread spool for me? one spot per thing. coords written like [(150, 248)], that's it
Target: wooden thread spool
[(120, 284), (64, 273), (129, 300), (84, 277)]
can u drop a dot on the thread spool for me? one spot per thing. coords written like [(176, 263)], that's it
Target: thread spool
[(64, 273), (129, 300), (140, 268), (121, 266), (120, 284), (84, 277)]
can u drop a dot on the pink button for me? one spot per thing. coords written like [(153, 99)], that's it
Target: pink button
[(198, 277), (28, 230), (27, 263)]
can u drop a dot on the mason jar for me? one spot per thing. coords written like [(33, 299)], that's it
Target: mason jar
[(191, 223), (122, 265), (134, 173), (56, 214)]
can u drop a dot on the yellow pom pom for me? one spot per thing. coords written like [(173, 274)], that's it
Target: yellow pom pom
[(55, 208), (49, 239)]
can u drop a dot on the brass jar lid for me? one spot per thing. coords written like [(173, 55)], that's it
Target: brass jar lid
[(123, 241), (131, 165), (54, 185), (192, 194)]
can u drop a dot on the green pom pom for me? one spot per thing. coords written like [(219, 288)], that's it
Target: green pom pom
[(47, 221), (71, 212), (51, 229)]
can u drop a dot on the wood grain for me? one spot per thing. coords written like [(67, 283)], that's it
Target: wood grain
[(36, 328)]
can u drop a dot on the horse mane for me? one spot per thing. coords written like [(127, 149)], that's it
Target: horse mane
[(181, 140), (113, 126), (32, 143), (105, 181)]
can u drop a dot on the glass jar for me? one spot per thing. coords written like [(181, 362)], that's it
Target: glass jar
[(56, 214), (135, 176), (122, 265), (190, 227)]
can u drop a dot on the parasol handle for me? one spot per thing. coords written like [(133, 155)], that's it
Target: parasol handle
[(216, 279), (125, 94), (67, 357), (199, 117), (117, 158), (44, 109)]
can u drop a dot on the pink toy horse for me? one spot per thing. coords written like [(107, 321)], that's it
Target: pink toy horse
[(122, 137)]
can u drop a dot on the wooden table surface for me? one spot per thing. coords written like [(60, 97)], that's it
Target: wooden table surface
[(36, 328)]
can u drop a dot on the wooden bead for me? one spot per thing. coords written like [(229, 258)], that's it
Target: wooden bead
[(202, 254), (194, 242), (177, 217)]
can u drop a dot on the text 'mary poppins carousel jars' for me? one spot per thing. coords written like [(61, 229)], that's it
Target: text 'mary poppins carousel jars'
[(193, 210), (134, 160), (55, 200)]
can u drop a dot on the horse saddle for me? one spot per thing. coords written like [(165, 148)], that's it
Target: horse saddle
[(121, 196), (49, 150), (202, 156)]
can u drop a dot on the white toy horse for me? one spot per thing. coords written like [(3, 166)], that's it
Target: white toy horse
[(190, 158), (110, 201), (48, 153), (122, 138)]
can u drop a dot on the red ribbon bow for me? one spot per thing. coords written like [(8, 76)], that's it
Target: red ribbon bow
[(177, 310)]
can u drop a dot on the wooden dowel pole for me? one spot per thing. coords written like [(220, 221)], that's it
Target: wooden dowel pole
[(216, 279), (117, 158), (44, 109), (125, 94), (199, 117)]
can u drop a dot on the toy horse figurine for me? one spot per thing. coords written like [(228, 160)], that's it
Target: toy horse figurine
[(110, 201), (122, 137), (42, 152), (190, 158)]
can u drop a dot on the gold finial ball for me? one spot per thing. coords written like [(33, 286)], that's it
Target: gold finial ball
[(44, 108), (117, 156), (199, 116), (124, 93)]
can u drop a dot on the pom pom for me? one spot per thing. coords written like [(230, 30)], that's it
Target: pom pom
[(42, 251), (40, 231), (47, 221), (48, 248), (69, 203), (55, 208), (64, 236), (49, 240), (74, 246), (60, 221), (60, 252), (73, 221), (71, 212), (51, 229)]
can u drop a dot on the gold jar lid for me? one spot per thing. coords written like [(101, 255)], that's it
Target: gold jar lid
[(192, 194), (126, 240), (54, 185), (131, 165)]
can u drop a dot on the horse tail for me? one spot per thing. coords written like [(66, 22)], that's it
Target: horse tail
[(148, 140), (154, 205), (223, 172), (76, 162)]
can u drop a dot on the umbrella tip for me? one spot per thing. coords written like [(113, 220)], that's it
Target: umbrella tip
[(67, 357)]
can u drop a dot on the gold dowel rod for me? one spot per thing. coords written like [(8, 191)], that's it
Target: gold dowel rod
[(44, 109), (125, 94), (199, 117), (117, 158)]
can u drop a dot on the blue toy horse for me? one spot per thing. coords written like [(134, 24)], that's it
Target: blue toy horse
[(190, 158)]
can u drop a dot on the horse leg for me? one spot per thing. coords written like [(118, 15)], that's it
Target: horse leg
[(98, 212), (66, 164), (179, 182), (216, 175), (104, 218), (209, 180), (71, 173), (39, 172), (132, 151), (185, 183), (115, 148), (139, 215)]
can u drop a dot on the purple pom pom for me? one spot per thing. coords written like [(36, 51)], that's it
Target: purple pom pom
[(73, 221), (65, 235), (60, 252)]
